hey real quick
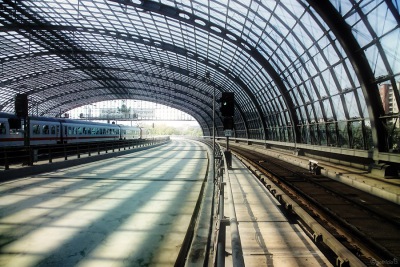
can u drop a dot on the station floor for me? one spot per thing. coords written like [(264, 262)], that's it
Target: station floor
[(134, 210), (131, 210)]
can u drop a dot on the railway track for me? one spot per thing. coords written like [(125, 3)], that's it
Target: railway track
[(367, 225)]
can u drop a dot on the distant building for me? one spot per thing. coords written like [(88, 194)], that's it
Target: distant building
[(389, 102)]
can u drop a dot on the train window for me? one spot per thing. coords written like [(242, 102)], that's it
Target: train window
[(74, 130), (53, 130), (14, 123), (69, 130), (36, 129), (2, 128), (80, 130), (45, 129)]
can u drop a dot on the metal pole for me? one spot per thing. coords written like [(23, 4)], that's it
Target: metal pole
[(213, 125), (214, 133)]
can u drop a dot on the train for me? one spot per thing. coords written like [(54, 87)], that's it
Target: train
[(48, 131)]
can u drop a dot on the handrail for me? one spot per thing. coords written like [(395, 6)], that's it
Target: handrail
[(29, 155)]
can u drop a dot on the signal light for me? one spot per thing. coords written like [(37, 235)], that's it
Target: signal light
[(21, 105), (227, 107)]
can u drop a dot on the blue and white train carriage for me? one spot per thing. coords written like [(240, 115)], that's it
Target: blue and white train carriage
[(58, 131)]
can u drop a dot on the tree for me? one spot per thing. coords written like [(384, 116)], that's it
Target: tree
[(125, 111)]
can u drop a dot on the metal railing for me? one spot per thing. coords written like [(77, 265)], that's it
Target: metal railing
[(29, 155)]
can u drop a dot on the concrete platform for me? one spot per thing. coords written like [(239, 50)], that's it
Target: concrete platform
[(267, 237), (131, 210)]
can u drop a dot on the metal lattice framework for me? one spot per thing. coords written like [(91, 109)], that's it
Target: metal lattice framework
[(303, 71)]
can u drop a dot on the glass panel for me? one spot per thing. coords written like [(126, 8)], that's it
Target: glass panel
[(338, 107), (305, 134), (391, 46), (379, 17), (375, 60), (331, 134), (314, 134), (357, 141), (327, 107), (352, 105), (322, 134), (343, 140)]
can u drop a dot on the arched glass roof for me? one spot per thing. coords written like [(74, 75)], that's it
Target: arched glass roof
[(306, 72)]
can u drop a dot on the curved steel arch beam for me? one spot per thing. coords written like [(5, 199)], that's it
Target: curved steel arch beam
[(62, 83), (144, 73), (148, 42), (361, 67), (213, 28), (116, 55), (63, 42)]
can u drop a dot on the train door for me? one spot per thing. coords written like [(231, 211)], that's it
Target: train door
[(60, 133), (64, 134)]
